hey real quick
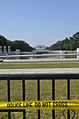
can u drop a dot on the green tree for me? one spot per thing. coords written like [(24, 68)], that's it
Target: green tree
[(71, 43), (17, 44)]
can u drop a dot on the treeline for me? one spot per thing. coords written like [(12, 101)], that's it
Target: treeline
[(71, 43), (17, 44)]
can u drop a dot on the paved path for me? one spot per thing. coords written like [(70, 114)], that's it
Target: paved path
[(40, 71), (42, 59)]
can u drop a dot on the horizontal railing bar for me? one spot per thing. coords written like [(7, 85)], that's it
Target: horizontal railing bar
[(37, 55), (38, 76)]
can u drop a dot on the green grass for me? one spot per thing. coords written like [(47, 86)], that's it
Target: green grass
[(40, 64), (31, 89)]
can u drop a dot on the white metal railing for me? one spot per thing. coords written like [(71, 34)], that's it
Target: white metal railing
[(51, 54)]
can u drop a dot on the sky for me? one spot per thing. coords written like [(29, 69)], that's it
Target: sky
[(39, 21)]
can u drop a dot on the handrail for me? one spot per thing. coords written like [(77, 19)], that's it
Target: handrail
[(38, 76)]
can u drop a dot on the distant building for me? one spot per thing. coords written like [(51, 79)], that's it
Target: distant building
[(40, 49)]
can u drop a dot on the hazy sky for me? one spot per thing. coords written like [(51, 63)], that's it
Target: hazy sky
[(39, 21)]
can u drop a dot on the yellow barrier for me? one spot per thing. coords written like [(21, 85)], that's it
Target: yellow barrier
[(42, 104)]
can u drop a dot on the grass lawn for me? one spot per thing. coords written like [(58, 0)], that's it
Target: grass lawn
[(31, 88), (39, 64)]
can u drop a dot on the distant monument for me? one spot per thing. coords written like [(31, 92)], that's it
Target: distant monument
[(9, 49), (5, 49), (40, 49), (17, 52), (77, 53), (62, 54)]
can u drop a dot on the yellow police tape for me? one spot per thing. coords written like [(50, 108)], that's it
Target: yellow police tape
[(42, 104)]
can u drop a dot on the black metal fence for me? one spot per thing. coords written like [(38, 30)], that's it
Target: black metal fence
[(38, 77)]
